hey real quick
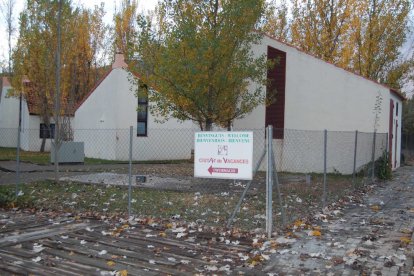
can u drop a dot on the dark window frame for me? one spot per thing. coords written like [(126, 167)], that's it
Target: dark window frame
[(45, 132), (142, 108)]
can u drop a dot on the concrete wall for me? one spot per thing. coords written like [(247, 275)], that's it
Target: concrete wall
[(30, 135), (9, 119), (322, 96), (102, 122)]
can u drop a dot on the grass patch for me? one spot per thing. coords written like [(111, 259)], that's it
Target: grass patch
[(43, 158), (78, 198), (7, 154)]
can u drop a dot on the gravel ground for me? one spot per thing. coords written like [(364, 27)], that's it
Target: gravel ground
[(368, 237)]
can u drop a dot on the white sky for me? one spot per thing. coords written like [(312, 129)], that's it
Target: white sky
[(143, 5)]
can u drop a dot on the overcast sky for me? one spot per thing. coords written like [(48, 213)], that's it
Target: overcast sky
[(143, 5)]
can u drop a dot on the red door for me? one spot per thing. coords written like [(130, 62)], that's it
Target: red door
[(396, 139), (390, 131)]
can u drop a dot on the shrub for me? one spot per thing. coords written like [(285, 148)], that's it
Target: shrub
[(383, 167)]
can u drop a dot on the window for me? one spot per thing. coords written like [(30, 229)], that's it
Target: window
[(142, 112), (47, 132), (275, 111), (396, 110)]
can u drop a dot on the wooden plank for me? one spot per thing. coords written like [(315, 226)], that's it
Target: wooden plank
[(144, 255), (141, 258), (131, 245), (19, 252), (28, 267), (128, 243), (102, 263), (39, 234), (229, 251)]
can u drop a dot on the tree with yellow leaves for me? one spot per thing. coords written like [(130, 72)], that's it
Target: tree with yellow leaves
[(197, 56), (379, 29), (276, 22), (126, 27), (36, 51), (364, 36), (321, 27)]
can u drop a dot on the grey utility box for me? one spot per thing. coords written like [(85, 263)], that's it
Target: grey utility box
[(69, 152)]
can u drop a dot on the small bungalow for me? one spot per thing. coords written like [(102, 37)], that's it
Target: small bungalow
[(32, 128), (102, 121)]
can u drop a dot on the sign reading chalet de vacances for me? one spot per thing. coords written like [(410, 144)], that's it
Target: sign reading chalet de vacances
[(226, 155)]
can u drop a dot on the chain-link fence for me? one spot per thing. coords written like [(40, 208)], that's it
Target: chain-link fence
[(107, 171), (407, 146)]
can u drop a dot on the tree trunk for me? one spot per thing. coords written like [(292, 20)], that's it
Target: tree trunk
[(42, 146), (229, 125), (209, 124)]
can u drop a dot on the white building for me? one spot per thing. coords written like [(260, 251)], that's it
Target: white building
[(102, 121), (32, 129), (314, 95)]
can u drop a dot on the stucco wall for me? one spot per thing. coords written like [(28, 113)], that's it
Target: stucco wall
[(9, 119), (322, 96), (102, 122)]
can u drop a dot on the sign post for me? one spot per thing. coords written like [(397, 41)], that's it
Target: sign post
[(225, 155)]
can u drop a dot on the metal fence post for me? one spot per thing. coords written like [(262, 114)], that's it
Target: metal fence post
[(325, 142), (19, 129), (131, 133), (269, 183), (355, 158), (373, 156), (279, 193)]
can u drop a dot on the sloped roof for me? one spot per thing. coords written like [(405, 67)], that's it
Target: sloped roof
[(6, 82), (397, 93), (98, 84)]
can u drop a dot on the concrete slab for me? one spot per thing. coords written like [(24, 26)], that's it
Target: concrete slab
[(11, 166)]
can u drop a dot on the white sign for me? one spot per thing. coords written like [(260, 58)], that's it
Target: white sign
[(227, 155)]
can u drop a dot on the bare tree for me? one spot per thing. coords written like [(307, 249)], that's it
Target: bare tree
[(7, 11)]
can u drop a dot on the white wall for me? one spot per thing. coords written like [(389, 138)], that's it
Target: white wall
[(321, 96), (102, 122), (30, 135), (396, 131), (9, 119)]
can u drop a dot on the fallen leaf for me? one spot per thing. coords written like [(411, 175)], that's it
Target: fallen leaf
[(37, 248), (37, 259), (211, 267), (375, 208), (110, 263), (298, 223), (122, 273), (180, 235), (406, 231), (103, 252), (405, 240), (315, 233)]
